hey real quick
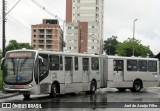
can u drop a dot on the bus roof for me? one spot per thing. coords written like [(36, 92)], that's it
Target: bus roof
[(133, 58), (84, 55), (60, 53)]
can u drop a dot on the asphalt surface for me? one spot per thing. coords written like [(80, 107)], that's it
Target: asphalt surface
[(4, 95), (103, 100)]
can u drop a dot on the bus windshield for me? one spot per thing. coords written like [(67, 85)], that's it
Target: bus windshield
[(18, 70)]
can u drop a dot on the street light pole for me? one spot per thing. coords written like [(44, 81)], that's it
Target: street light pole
[(134, 33)]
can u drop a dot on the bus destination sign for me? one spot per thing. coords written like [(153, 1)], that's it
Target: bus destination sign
[(13, 55), (20, 54)]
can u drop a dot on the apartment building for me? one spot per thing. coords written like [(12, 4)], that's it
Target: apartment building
[(84, 26), (47, 36)]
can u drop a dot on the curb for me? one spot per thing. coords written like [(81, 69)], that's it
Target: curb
[(153, 89), (7, 95)]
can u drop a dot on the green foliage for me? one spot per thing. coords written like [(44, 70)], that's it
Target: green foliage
[(13, 45), (110, 45), (126, 48), (24, 45), (0, 56)]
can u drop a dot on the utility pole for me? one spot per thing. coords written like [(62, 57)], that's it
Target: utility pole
[(3, 27), (134, 34)]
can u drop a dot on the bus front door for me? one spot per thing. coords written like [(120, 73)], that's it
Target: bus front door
[(118, 70)]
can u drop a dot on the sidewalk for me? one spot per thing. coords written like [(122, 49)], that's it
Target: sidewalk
[(7, 95)]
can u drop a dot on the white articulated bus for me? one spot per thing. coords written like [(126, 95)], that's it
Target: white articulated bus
[(132, 73), (45, 72), (41, 72)]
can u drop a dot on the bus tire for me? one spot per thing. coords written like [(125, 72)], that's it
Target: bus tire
[(93, 87), (137, 86), (54, 90), (121, 89), (26, 96)]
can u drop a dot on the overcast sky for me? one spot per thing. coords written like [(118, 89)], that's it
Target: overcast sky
[(118, 19)]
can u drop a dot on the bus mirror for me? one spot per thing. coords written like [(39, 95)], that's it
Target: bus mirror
[(40, 58), (2, 63)]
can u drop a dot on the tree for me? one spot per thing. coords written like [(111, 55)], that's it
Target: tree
[(24, 45), (110, 45), (13, 45), (126, 48)]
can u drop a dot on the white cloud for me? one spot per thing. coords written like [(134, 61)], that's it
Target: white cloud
[(120, 14), (153, 43), (157, 32)]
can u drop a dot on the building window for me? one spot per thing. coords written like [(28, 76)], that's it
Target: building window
[(75, 27), (92, 47), (41, 30), (49, 31), (34, 30)]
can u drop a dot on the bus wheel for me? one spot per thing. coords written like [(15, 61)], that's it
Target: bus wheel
[(121, 89), (137, 86), (93, 87), (54, 90), (26, 96)]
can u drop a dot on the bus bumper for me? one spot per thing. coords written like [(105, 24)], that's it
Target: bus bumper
[(32, 90)]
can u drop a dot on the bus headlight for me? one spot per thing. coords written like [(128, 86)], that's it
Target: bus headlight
[(28, 86)]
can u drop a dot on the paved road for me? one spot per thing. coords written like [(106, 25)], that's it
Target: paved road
[(86, 102)]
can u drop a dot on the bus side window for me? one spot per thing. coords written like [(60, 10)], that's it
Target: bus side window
[(85, 64), (95, 63), (118, 65), (68, 63), (76, 63), (132, 65), (36, 71), (152, 66), (54, 62), (61, 63), (43, 66), (142, 65)]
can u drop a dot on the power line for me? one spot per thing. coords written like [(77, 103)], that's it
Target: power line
[(13, 7), (44, 8), (20, 23)]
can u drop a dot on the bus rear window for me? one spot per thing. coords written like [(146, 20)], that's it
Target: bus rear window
[(152, 66)]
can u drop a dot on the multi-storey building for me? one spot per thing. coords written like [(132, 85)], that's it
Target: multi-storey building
[(84, 26), (47, 36)]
